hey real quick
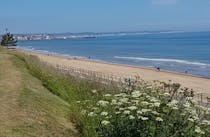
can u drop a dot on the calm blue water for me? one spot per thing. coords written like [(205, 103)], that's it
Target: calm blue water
[(178, 52)]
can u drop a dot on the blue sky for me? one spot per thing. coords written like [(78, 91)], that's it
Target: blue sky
[(49, 16)]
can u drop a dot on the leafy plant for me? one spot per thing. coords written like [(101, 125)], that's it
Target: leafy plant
[(8, 40), (155, 110)]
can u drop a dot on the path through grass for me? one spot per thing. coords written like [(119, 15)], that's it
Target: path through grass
[(27, 108)]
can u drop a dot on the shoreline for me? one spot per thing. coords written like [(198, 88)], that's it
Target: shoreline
[(200, 84), (111, 63)]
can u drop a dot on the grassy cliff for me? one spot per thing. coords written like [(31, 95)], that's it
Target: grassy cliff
[(27, 107), (38, 100)]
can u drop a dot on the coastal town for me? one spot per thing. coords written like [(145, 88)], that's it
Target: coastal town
[(63, 36)]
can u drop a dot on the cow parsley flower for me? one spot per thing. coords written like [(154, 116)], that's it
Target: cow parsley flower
[(118, 112), (131, 117), (198, 130), (94, 91), (145, 110), (139, 112), (127, 112), (135, 94), (143, 118), (91, 114), (190, 119), (166, 94), (102, 103), (206, 122), (107, 95), (159, 119), (105, 122), (104, 113), (132, 108), (145, 103), (114, 101), (124, 100), (156, 104)]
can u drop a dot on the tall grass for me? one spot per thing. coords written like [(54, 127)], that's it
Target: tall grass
[(70, 88), (141, 109)]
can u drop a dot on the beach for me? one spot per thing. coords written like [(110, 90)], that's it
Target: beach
[(198, 84)]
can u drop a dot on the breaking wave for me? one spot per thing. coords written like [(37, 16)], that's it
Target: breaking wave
[(164, 60)]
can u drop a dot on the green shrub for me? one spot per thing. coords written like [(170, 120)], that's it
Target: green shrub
[(158, 110)]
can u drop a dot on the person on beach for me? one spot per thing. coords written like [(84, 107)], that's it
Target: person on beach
[(157, 68), (129, 81)]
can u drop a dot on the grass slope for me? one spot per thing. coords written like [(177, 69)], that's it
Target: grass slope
[(27, 108)]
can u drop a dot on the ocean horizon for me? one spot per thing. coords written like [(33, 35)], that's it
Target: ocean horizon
[(183, 52)]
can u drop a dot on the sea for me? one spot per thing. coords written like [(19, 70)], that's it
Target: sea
[(183, 52)]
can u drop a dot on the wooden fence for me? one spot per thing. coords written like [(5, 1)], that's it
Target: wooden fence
[(91, 75), (110, 79)]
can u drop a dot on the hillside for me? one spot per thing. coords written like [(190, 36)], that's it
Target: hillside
[(26, 107)]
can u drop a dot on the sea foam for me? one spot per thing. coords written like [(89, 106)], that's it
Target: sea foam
[(164, 60)]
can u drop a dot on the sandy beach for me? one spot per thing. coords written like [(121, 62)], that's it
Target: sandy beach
[(196, 83)]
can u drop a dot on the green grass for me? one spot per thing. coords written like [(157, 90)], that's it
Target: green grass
[(49, 98), (29, 109), (68, 88)]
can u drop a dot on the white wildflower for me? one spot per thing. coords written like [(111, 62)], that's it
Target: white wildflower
[(102, 103), (148, 97), (132, 108), (120, 95), (187, 105), (118, 112), (149, 87), (167, 94), (159, 119), (83, 112), (198, 130), (195, 118), (206, 122), (153, 99), (145, 103), (143, 118), (114, 101), (136, 94), (172, 104), (156, 104), (124, 100), (139, 112), (135, 101), (104, 113), (127, 112), (119, 103), (94, 91), (108, 117), (155, 112), (204, 108), (105, 122), (131, 117), (91, 114), (107, 95), (145, 110), (175, 108), (94, 108), (190, 119), (121, 109)]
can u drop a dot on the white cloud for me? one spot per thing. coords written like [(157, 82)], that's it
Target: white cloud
[(165, 2)]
